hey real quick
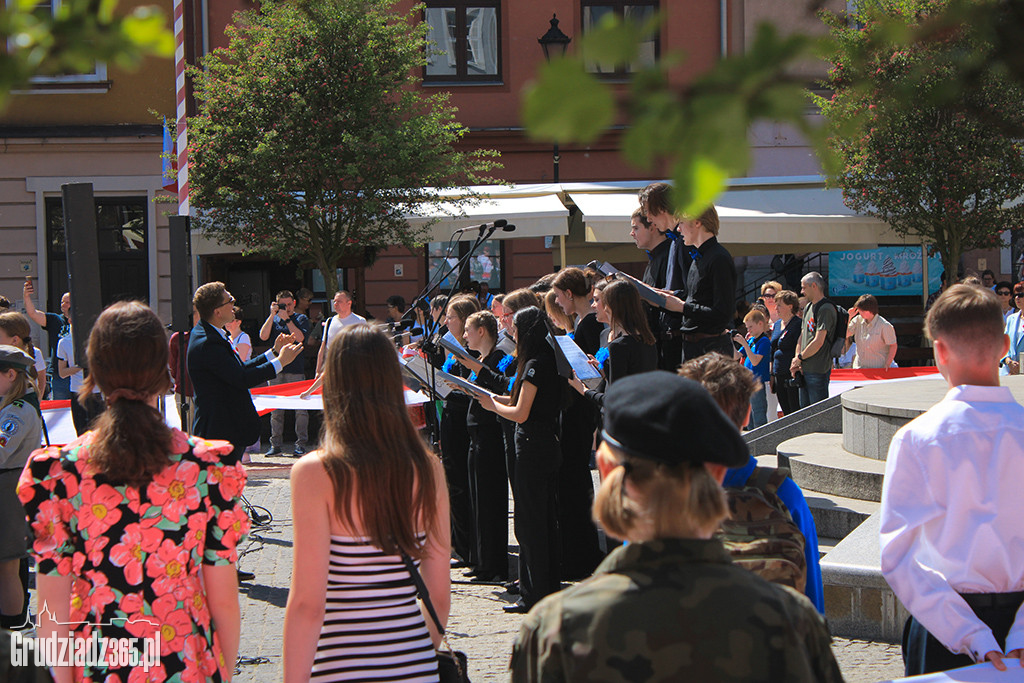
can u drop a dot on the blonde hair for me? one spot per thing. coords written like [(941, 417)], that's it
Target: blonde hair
[(771, 284), (19, 387), (755, 316), (662, 501), (555, 312)]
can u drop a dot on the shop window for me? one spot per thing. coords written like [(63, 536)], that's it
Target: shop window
[(486, 265)]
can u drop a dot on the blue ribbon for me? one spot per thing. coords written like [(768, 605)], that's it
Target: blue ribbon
[(449, 364)]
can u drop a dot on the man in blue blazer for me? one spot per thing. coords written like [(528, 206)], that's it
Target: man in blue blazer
[(221, 381)]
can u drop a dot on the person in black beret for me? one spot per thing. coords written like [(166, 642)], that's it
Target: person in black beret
[(670, 605)]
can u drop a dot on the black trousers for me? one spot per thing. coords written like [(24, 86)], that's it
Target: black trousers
[(694, 349), (536, 514), (789, 397), (581, 550), (84, 415), (508, 431), (455, 458), (488, 487), (923, 654), (670, 353)]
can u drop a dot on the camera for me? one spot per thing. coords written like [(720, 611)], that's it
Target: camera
[(797, 381)]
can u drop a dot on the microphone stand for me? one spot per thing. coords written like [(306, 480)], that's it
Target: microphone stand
[(484, 234)]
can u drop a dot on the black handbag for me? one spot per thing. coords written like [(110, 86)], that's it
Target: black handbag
[(452, 665)]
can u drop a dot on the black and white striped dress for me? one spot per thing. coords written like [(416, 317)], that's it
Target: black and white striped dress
[(373, 628)]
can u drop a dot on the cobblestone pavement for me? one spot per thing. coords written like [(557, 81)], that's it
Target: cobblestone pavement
[(477, 625)]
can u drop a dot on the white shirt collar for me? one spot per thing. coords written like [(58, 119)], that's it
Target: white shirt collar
[(974, 392)]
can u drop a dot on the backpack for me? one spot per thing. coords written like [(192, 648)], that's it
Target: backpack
[(835, 339), (760, 534)]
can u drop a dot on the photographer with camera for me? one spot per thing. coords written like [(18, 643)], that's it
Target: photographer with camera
[(784, 341)]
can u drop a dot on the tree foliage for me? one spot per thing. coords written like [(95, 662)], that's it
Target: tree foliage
[(71, 39), (928, 165), (700, 130), (310, 142)]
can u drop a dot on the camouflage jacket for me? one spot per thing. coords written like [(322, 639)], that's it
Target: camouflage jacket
[(674, 610)]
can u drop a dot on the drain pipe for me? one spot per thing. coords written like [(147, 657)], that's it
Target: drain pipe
[(724, 20)]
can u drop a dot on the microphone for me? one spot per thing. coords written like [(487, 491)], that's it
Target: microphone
[(508, 228), (489, 228)]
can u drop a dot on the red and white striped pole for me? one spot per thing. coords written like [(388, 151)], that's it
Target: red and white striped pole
[(182, 125)]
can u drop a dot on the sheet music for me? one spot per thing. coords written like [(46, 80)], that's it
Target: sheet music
[(449, 342), (416, 368), (574, 356), (976, 673), (464, 384), (651, 296)]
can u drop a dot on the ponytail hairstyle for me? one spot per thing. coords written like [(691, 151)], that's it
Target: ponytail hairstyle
[(531, 342), (128, 362), (626, 311), (662, 501), (572, 280), (370, 445), (484, 320)]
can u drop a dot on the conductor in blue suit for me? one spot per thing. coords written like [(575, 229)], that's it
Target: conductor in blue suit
[(224, 408)]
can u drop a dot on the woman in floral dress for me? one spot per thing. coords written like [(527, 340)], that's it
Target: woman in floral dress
[(136, 524)]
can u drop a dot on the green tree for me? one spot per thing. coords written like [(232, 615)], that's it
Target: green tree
[(76, 35), (928, 165), (310, 142)]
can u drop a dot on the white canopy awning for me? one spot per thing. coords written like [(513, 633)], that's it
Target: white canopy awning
[(536, 211), (752, 220)]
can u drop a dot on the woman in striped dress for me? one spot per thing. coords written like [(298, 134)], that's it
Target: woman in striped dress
[(371, 492)]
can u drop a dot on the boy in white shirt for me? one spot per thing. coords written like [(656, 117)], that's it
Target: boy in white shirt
[(952, 537)]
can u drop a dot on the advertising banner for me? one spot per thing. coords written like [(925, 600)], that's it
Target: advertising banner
[(885, 271)]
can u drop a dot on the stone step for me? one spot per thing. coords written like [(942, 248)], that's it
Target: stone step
[(825, 545), (858, 601), (837, 516), (819, 463), (834, 516)]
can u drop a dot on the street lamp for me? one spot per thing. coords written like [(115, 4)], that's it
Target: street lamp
[(554, 43)]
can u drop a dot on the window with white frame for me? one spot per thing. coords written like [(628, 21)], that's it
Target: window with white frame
[(464, 39), (637, 11), (96, 75)]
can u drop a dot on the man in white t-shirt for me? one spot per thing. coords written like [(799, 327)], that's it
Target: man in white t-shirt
[(333, 325), (81, 414)]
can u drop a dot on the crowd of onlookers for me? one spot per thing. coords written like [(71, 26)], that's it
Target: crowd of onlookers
[(692, 560)]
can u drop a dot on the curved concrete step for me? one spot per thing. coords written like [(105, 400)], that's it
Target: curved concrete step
[(820, 463), (834, 516), (837, 516), (872, 414)]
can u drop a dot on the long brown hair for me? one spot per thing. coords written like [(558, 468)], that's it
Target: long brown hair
[(128, 362), (625, 310), (369, 442)]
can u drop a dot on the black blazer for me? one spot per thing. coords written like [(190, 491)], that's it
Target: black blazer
[(224, 408)]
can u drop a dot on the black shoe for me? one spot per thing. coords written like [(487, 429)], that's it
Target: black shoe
[(495, 580), (272, 451), (512, 587), (456, 563), (517, 607), (245, 576)]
